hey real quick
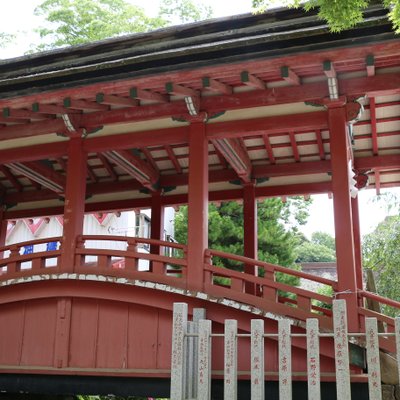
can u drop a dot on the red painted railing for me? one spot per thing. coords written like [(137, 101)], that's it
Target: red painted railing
[(29, 258), (127, 257)]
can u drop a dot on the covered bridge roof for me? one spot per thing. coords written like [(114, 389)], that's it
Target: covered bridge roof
[(262, 80)]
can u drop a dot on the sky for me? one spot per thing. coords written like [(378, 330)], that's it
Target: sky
[(17, 16)]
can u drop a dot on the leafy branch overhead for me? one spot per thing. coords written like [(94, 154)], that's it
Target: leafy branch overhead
[(339, 14), (72, 22)]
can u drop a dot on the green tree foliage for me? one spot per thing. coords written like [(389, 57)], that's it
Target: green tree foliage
[(173, 11), (5, 38), (339, 14), (72, 22), (381, 253), (277, 231), (321, 248)]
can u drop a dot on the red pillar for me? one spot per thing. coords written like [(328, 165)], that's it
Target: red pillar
[(357, 243), (157, 221), (3, 228), (345, 255), (197, 205), (250, 242), (74, 207)]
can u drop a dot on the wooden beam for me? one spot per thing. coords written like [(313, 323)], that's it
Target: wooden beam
[(250, 80), (41, 174), (370, 64), (84, 105), (173, 158), (32, 129), (321, 149), (215, 86), (329, 70), (112, 100), (374, 130), (52, 109), (289, 76), (107, 165), (135, 167), (295, 149), (236, 156), (179, 90), (33, 153), (23, 114), (140, 94), (269, 149), (268, 125), (13, 180), (138, 139)]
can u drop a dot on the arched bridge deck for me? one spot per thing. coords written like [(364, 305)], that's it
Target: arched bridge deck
[(110, 313)]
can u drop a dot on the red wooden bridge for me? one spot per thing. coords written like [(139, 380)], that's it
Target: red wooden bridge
[(240, 108)]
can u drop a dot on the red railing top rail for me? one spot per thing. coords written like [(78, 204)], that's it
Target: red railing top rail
[(272, 267), (30, 242), (133, 239), (380, 299)]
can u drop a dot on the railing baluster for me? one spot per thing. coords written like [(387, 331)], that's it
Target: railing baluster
[(131, 262)]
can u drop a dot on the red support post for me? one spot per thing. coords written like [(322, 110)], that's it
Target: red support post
[(74, 202), (345, 254), (197, 205), (3, 227), (157, 226), (357, 243), (250, 242)]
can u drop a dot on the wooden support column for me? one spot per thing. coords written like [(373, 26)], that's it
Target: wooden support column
[(74, 207), (3, 227), (357, 243), (157, 220), (197, 204), (345, 255), (250, 239), (156, 230)]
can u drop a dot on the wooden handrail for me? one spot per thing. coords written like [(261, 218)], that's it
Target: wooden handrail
[(273, 268), (380, 299), (134, 239), (30, 242)]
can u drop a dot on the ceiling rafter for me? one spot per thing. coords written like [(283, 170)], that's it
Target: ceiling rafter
[(23, 114), (320, 143), (293, 143), (215, 86), (112, 100), (236, 156), (290, 76), (135, 167), (13, 180), (251, 80), (173, 158), (374, 131), (84, 105), (107, 165), (268, 148), (140, 94), (40, 173), (52, 109)]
